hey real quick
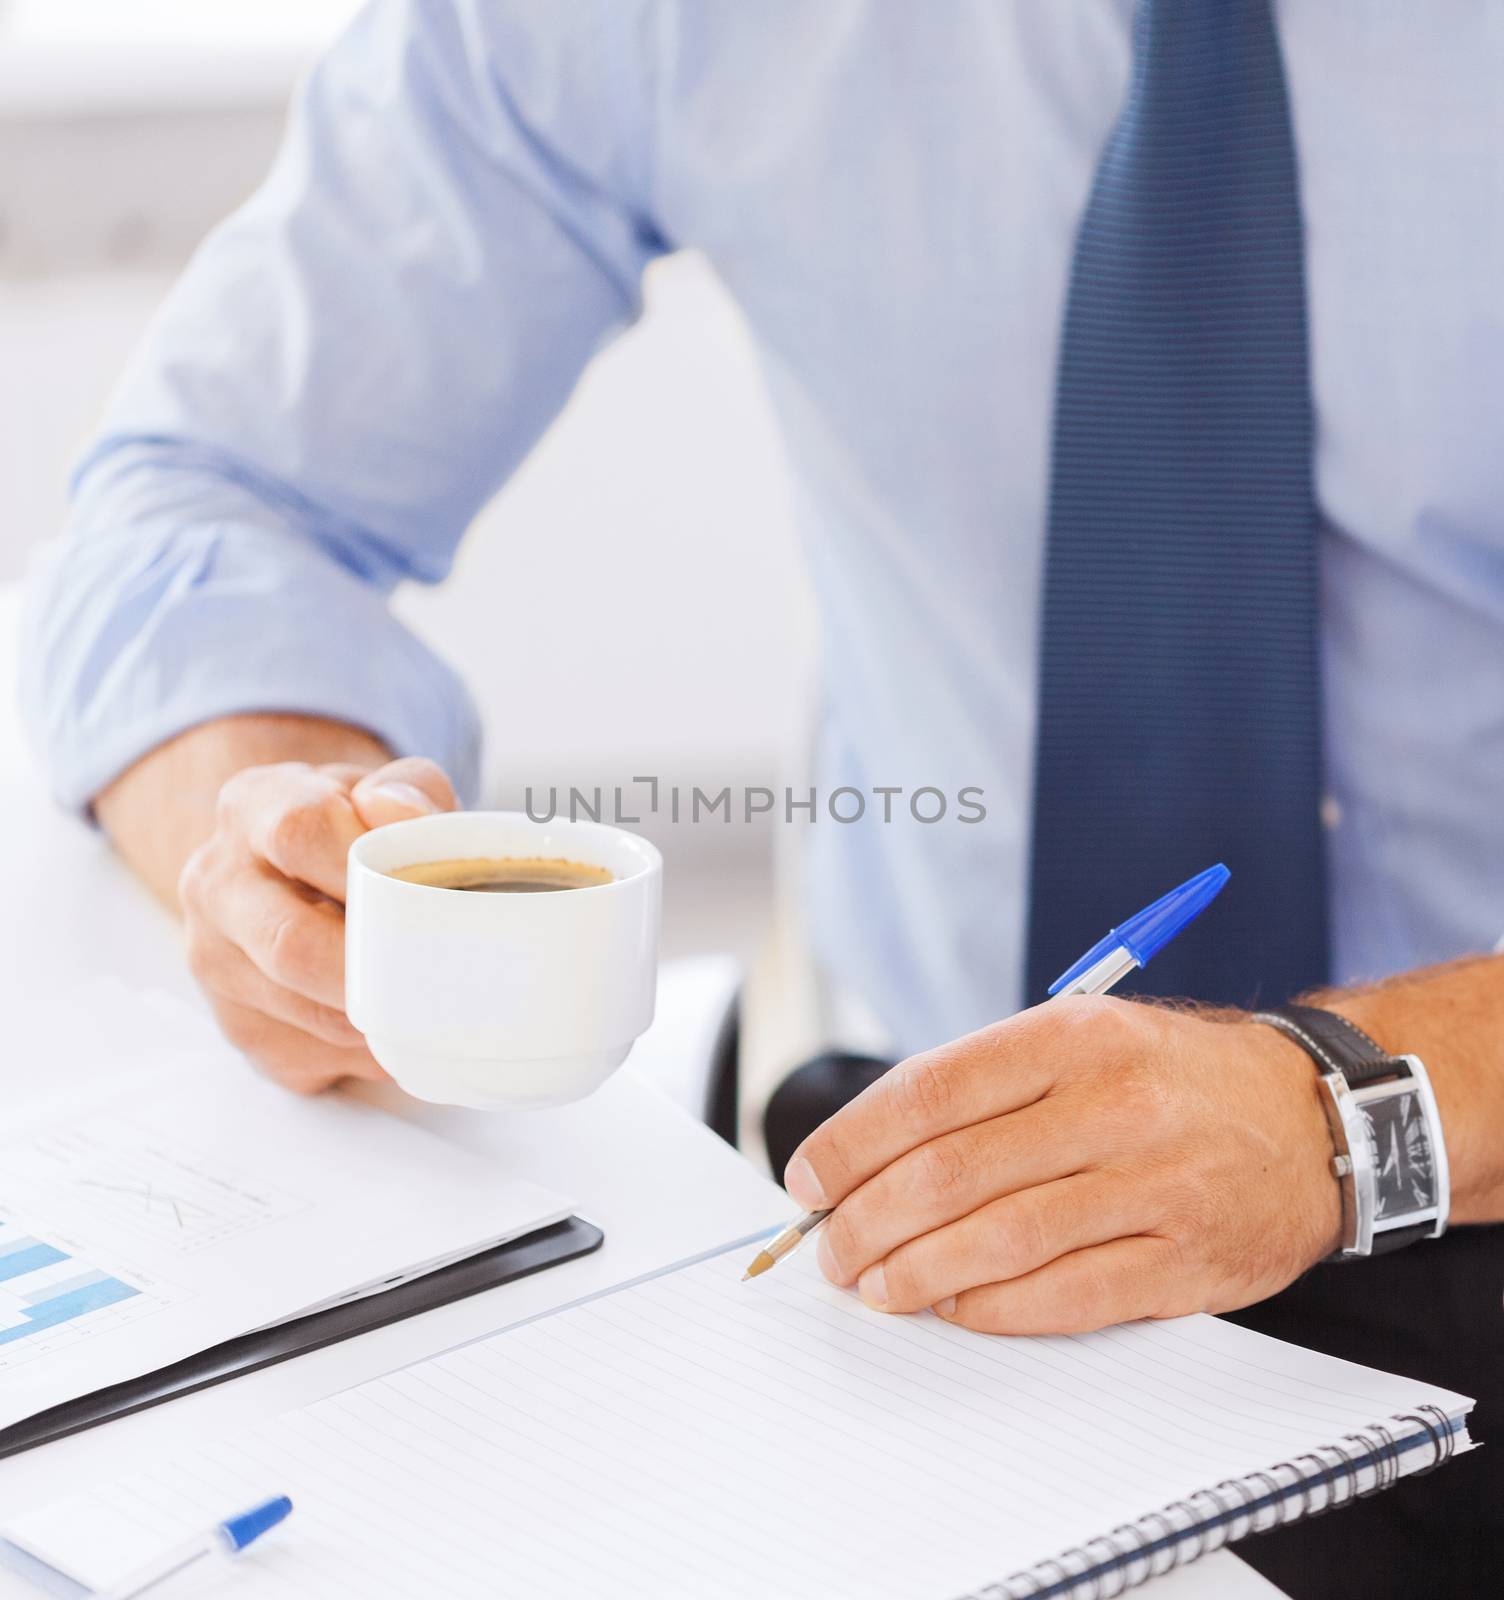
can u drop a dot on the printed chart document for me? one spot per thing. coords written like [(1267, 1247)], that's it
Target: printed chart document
[(692, 1435), (177, 1207)]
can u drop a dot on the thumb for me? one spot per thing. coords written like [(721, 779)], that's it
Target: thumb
[(413, 787)]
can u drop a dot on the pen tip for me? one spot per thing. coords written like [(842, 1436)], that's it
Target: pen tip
[(760, 1264)]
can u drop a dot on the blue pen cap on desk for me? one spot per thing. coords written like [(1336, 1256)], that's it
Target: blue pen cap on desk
[(1144, 935), (250, 1525)]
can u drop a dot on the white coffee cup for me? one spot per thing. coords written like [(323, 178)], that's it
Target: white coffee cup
[(501, 1000)]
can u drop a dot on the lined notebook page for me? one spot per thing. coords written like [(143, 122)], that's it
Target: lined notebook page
[(694, 1435)]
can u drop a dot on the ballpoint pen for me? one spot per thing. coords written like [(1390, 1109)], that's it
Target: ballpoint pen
[(225, 1538), (1128, 946)]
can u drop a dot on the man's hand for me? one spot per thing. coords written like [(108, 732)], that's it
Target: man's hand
[(1088, 1162), (263, 902)]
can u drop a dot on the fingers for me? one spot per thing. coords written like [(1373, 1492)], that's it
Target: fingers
[(294, 939), (345, 773), (1122, 1281), (263, 906), (412, 787), (295, 818), (227, 973), (948, 1177), (295, 1059), (1001, 1241), (987, 1074)]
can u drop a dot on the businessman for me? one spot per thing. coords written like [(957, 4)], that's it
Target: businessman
[(1141, 367)]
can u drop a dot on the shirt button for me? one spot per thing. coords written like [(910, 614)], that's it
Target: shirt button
[(1331, 811)]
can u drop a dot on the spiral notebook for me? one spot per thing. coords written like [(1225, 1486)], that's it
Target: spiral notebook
[(689, 1434)]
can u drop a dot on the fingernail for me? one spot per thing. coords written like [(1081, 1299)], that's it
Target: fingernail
[(405, 794), (946, 1307), (803, 1186), (826, 1259), (872, 1286)]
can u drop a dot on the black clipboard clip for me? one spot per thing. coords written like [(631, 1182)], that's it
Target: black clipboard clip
[(249, 1352)]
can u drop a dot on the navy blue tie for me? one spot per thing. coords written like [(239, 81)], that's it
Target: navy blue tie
[(1179, 698)]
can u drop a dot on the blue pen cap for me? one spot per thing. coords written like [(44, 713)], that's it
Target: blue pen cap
[(250, 1525), (1143, 936)]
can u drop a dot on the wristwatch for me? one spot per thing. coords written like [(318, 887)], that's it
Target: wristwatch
[(1391, 1159)]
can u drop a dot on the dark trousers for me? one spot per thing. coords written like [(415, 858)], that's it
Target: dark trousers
[(1433, 1312)]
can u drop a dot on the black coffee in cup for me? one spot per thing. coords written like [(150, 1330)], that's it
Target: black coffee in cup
[(504, 874)]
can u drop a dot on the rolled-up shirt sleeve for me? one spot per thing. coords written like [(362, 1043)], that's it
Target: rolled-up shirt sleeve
[(350, 366)]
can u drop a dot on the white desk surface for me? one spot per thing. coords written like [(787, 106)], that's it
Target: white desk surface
[(661, 1184)]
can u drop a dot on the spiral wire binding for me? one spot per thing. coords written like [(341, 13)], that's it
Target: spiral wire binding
[(1308, 1485)]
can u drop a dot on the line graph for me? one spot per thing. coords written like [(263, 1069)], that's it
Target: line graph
[(126, 1177), (184, 1212)]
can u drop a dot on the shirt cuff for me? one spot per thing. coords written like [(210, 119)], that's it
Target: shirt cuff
[(129, 643)]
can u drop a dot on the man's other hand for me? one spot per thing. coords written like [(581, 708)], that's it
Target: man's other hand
[(263, 903), (1088, 1162)]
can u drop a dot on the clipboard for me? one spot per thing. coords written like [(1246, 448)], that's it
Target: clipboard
[(249, 1352)]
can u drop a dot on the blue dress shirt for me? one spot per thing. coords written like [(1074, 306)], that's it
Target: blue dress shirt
[(461, 215)]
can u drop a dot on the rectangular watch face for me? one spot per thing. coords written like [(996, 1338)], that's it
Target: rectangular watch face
[(1402, 1156)]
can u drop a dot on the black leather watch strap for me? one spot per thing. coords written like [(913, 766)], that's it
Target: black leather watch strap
[(1335, 1043), (1398, 1238)]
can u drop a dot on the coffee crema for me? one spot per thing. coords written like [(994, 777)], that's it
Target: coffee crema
[(504, 874)]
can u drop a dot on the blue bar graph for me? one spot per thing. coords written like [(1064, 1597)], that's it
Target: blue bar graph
[(36, 1296), (79, 1281), (30, 1257), (65, 1307)]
